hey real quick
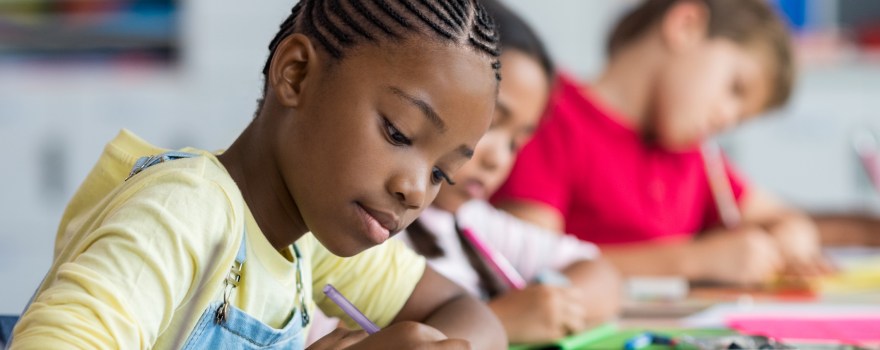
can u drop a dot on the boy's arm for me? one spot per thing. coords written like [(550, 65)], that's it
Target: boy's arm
[(848, 229), (744, 256), (440, 303), (654, 259), (797, 236)]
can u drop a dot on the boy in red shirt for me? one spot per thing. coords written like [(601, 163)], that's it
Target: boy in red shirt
[(619, 163)]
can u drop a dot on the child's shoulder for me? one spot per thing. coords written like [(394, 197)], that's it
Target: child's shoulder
[(121, 154), (199, 185)]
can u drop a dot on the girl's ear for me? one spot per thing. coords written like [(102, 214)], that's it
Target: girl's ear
[(685, 25), (293, 60)]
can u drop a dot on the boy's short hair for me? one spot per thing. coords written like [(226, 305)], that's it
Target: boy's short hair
[(751, 23)]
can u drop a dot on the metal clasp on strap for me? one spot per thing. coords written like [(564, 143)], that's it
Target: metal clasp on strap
[(148, 161), (232, 280)]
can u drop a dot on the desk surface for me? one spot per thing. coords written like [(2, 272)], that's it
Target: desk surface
[(854, 291)]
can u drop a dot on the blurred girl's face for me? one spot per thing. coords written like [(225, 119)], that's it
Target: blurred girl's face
[(522, 96)]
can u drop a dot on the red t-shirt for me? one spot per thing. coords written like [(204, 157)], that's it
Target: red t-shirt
[(609, 184)]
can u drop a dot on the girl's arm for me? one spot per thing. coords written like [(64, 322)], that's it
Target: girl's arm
[(119, 284), (537, 213), (533, 250), (440, 303), (600, 285), (542, 312)]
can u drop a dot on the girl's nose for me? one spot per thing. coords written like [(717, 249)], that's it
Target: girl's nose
[(410, 189)]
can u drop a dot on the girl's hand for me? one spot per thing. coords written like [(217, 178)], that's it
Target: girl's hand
[(402, 335), (540, 313), (743, 256), (339, 338)]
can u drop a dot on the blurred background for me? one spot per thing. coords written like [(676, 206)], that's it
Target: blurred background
[(187, 73)]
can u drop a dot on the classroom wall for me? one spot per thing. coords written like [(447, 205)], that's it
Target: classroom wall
[(54, 120)]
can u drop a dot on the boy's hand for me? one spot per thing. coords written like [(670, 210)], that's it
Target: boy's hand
[(799, 244), (401, 335), (540, 313), (744, 256)]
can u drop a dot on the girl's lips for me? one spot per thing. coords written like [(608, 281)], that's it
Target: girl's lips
[(475, 189), (378, 224)]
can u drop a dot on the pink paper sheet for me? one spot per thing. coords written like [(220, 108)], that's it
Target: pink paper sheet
[(856, 330)]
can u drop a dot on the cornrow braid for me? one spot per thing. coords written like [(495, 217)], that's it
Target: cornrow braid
[(370, 16), (453, 11), (312, 28), (339, 25), (336, 7), (393, 14), (434, 25), (338, 34), (445, 16), (287, 28)]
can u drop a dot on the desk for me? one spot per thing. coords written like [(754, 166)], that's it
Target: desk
[(854, 293)]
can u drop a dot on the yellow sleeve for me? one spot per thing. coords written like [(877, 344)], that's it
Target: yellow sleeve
[(110, 170), (134, 268), (378, 281)]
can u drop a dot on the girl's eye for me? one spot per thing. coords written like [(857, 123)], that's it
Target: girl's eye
[(396, 137), (438, 175)]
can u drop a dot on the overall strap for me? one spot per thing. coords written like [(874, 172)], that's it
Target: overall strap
[(233, 277), (148, 161)]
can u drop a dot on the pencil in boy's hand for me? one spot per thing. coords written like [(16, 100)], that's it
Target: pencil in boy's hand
[(350, 310), (719, 183), (497, 261)]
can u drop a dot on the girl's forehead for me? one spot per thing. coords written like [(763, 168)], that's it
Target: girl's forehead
[(445, 74), (452, 82)]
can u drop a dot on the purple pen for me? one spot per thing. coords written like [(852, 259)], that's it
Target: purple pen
[(350, 310)]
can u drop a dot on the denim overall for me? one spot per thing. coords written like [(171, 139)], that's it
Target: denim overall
[(224, 326)]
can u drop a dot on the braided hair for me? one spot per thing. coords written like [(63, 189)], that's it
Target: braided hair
[(339, 25)]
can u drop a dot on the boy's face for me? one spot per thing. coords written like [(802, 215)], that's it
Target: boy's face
[(707, 89), (522, 96), (375, 134)]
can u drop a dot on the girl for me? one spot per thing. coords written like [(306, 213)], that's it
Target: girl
[(368, 106), (619, 163), (539, 312)]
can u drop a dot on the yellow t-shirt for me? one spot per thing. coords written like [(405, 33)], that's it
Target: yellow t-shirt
[(130, 256)]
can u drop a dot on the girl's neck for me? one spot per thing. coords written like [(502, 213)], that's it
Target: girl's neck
[(626, 84), (252, 165)]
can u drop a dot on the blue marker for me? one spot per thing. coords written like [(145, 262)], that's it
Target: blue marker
[(639, 341), (644, 339), (552, 278)]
